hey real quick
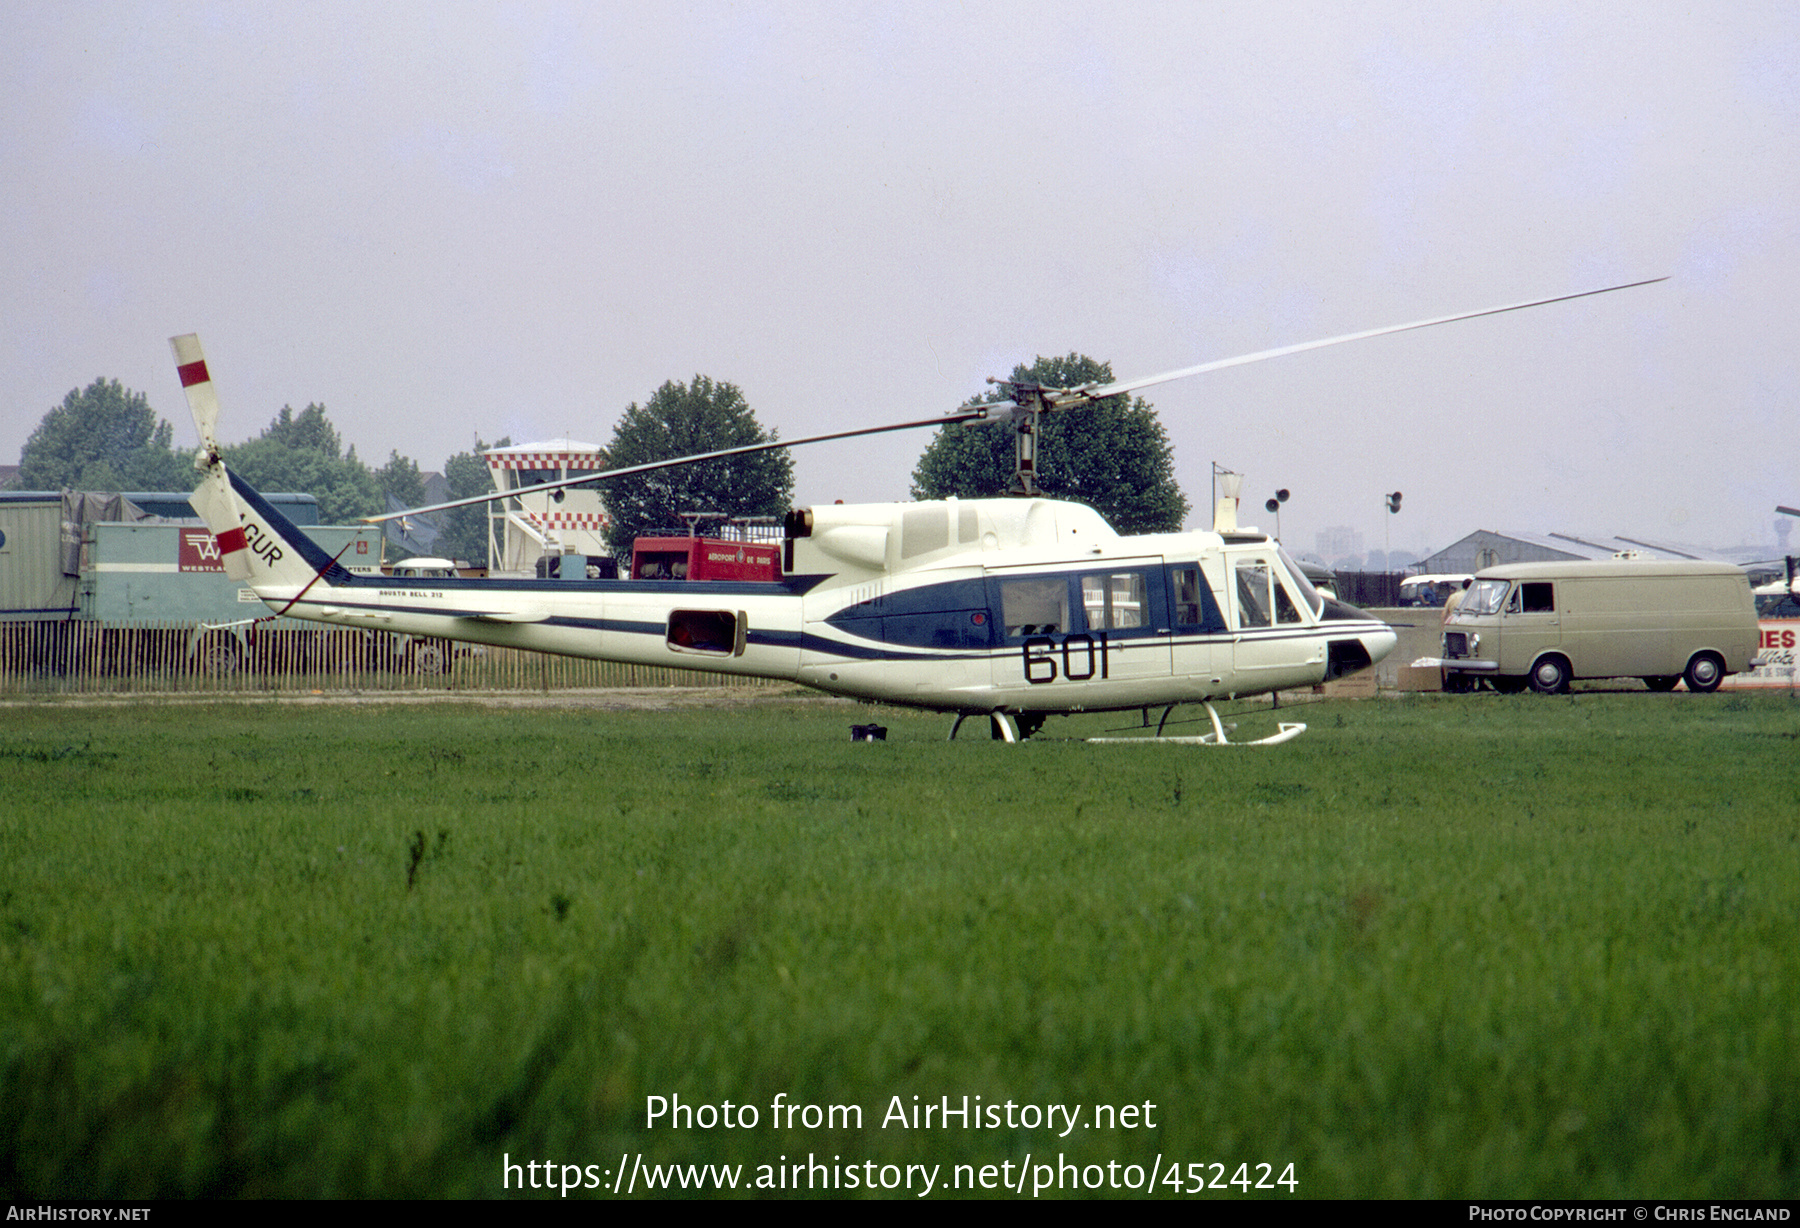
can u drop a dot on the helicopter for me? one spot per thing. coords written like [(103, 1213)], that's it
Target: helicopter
[(1014, 608)]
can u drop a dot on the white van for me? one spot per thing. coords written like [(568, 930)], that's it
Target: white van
[(425, 569), (1433, 589), (1543, 624)]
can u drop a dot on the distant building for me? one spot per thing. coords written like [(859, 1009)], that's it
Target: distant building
[(1339, 542), (1492, 548)]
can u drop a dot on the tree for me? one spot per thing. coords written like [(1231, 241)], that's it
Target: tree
[(400, 479), (103, 437), (403, 487), (465, 534), (300, 452), (1113, 456), (681, 420)]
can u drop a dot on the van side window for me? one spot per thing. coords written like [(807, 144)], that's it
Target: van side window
[(1539, 598)]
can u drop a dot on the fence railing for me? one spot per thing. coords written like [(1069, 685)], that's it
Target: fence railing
[(287, 655)]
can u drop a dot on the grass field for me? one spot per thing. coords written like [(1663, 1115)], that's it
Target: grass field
[(1446, 946)]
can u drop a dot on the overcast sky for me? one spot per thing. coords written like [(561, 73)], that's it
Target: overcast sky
[(451, 220)]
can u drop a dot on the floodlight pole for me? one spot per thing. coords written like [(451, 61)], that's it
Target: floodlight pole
[(1274, 505)]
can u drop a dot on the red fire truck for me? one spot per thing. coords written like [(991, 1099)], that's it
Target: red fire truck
[(704, 558)]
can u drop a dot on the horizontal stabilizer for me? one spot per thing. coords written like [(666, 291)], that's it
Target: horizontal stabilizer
[(340, 614)]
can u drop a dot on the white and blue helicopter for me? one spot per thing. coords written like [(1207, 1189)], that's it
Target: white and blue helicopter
[(1013, 608)]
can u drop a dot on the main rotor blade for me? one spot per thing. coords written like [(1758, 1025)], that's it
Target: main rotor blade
[(1075, 396), (649, 466), (1056, 399)]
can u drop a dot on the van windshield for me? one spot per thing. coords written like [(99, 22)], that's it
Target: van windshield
[(1483, 597)]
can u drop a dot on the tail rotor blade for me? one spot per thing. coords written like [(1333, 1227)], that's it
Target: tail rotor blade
[(196, 381)]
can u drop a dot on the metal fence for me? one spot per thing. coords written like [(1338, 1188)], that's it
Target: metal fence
[(1370, 589), (291, 656)]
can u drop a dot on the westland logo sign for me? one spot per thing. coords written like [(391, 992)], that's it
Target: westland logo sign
[(200, 551)]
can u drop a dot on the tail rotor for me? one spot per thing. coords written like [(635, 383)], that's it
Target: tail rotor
[(216, 502)]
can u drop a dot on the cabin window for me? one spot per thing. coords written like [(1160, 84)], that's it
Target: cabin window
[(1539, 597), (1035, 607), (1114, 601), (1187, 596), (1197, 604)]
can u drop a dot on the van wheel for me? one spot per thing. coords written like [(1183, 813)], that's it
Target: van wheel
[(220, 656), (1550, 676), (428, 658), (1508, 686), (1704, 673), (1662, 682)]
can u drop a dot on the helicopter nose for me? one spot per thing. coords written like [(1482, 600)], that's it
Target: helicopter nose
[(1362, 645)]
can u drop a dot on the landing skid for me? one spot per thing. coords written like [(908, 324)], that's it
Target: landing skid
[(1003, 728), (1288, 731), (1005, 731)]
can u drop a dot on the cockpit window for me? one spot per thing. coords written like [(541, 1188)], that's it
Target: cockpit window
[(1263, 595), (1285, 610), (1253, 593), (1308, 593)]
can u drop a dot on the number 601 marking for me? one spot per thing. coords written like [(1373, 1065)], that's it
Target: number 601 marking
[(1040, 661)]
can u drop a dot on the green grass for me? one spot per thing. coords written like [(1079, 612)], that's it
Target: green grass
[(1445, 947)]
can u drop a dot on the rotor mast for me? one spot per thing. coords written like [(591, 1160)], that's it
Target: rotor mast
[(1028, 402), (1026, 399)]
